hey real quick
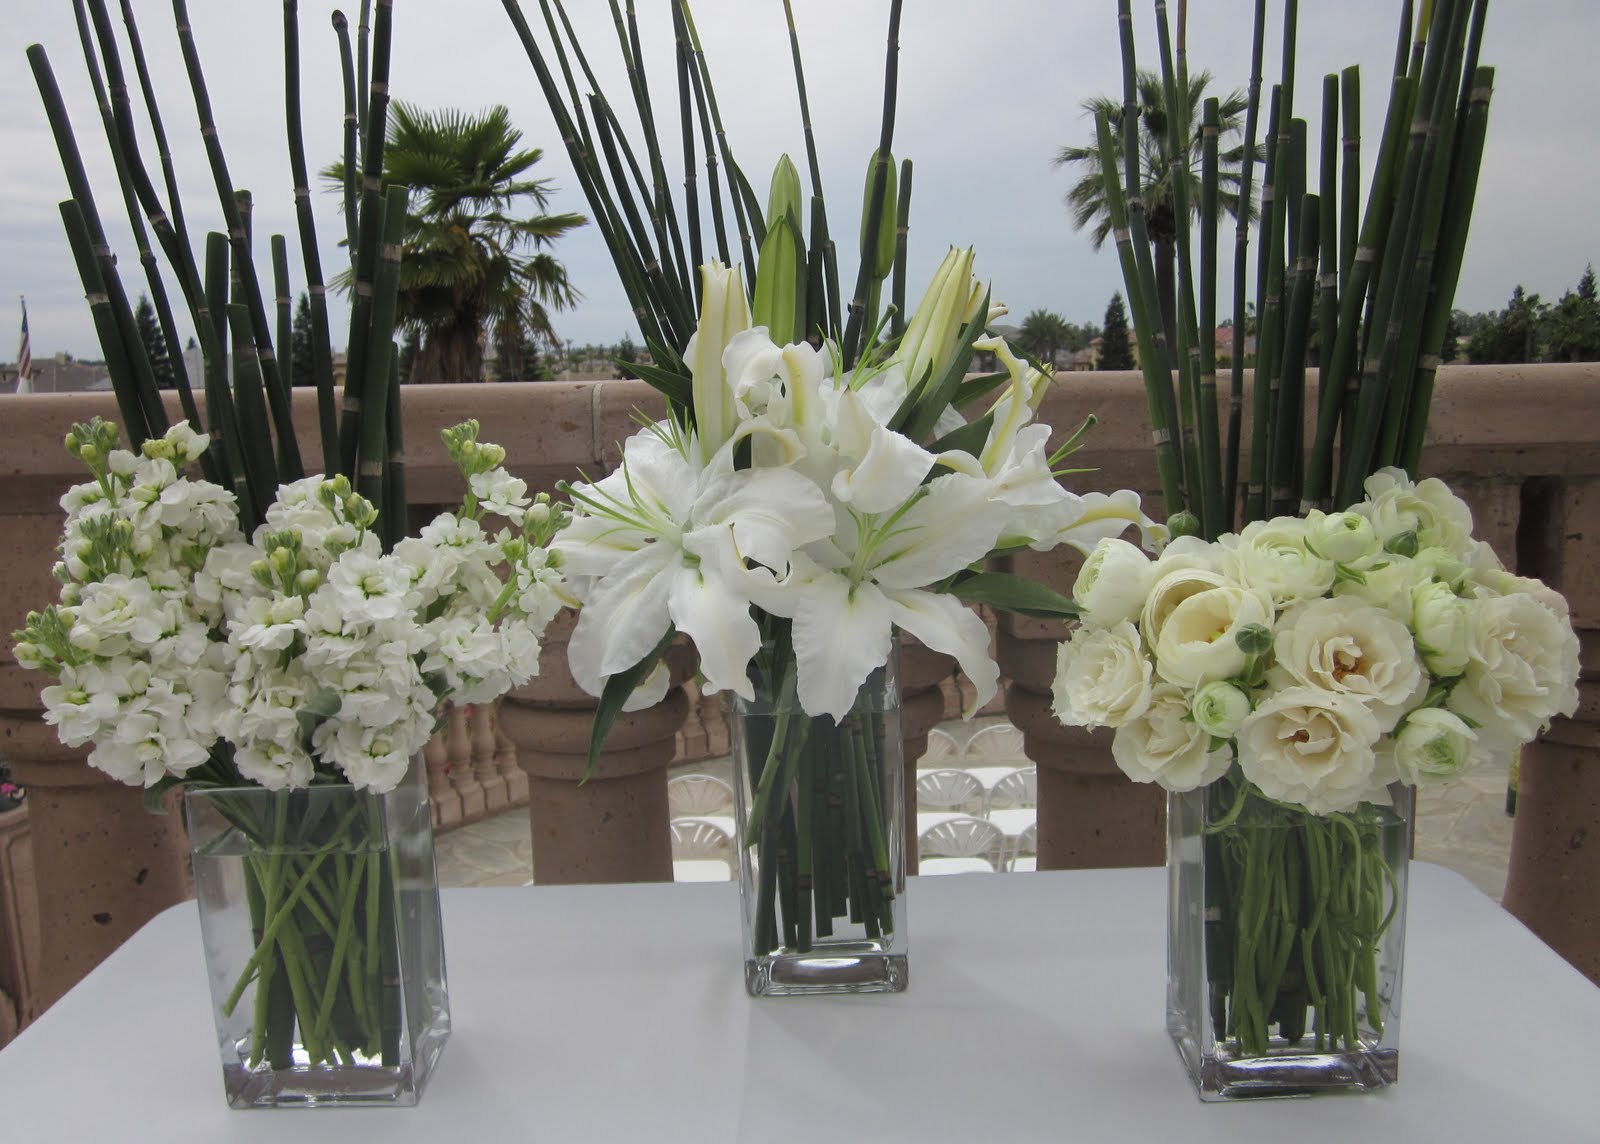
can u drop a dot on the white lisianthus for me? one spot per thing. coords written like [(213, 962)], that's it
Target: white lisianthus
[(1428, 509), (1102, 677), (1112, 585), (1442, 622), (1521, 671), (1310, 747), (1342, 537), (1219, 707), (1199, 637), (1349, 647), (1271, 556), (1432, 745), (1166, 746)]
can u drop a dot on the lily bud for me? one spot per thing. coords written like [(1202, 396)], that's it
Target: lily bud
[(931, 334), (780, 302), (882, 256), (723, 313), (783, 194)]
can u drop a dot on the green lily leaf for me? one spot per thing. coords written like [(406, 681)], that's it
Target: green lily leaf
[(616, 693), (1014, 593)]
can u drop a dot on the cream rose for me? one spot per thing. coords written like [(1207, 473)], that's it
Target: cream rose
[(1310, 747), (1349, 647), (1113, 583), (1102, 677), (1442, 621), (1522, 670), (1432, 745), (1429, 509), (1342, 537), (1164, 745), (1272, 556), (1198, 640)]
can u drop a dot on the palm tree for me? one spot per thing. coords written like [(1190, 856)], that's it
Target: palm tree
[(1087, 197), (471, 268)]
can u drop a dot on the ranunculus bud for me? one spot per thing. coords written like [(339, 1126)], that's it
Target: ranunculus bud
[(1219, 707), (1402, 544), (1253, 639), (1432, 744), (1442, 622), (1183, 523), (1342, 537)]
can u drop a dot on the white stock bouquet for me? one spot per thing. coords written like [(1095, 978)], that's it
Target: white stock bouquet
[(305, 654), (1299, 668)]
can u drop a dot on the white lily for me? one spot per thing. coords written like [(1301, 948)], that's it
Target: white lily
[(846, 595), (662, 542), (951, 301)]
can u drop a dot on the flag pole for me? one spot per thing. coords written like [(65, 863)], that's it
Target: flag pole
[(24, 355)]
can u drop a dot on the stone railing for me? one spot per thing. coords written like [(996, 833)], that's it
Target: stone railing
[(1521, 444)]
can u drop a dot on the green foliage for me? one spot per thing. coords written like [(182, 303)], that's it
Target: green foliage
[(301, 355), (1044, 333), (1512, 335), (472, 261), (1571, 329), (155, 344), (1115, 352)]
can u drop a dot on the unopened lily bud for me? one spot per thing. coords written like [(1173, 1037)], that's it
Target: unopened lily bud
[(783, 193), (882, 254), (780, 283)]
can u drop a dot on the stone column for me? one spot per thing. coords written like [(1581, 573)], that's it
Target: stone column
[(19, 923), (613, 826), (1555, 841), (103, 866)]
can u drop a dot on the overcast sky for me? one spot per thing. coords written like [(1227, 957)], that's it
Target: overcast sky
[(988, 92)]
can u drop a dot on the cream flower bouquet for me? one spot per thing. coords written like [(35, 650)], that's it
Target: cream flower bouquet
[(1304, 675)]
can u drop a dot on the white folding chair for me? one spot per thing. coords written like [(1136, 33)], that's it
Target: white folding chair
[(701, 851), (1015, 788), (949, 789), (959, 846), (696, 796), (997, 744), (1025, 852)]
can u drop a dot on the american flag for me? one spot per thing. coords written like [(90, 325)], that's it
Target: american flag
[(24, 357)]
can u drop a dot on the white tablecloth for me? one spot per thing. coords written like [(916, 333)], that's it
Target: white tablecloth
[(618, 1013)]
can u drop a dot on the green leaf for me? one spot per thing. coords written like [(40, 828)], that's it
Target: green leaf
[(676, 387), (1013, 593), (973, 388), (617, 690), (970, 438), (154, 794)]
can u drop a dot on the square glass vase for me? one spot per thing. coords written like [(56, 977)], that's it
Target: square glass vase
[(319, 909), (1285, 941), (820, 821)]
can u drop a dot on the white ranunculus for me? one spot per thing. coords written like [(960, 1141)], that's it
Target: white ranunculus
[(1171, 586), (1219, 707), (1343, 537), (1432, 745), (1427, 508), (1102, 677), (1346, 646), (1166, 746), (1272, 556), (1198, 640), (1442, 622), (1112, 584), (1310, 747), (1522, 670)]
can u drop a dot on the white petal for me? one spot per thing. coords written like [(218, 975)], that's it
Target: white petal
[(719, 622), (772, 512), (944, 624), (886, 476), (840, 637), (952, 527), (625, 618)]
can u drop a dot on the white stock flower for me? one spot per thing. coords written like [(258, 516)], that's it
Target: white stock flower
[(1102, 677), (1198, 639), (1348, 647), (1442, 622), (1522, 670), (1432, 745), (1310, 747), (1164, 745), (370, 587), (1271, 556), (1396, 505), (115, 614), (1219, 707), (269, 623), (372, 758), (1113, 583), (500, 493)]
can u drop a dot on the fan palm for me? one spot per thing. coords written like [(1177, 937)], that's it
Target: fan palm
[(1087, 197), (470, 262)]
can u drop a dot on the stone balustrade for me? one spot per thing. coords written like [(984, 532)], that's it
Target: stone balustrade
[(1520, 443)]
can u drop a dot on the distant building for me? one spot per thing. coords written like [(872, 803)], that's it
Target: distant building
[(58, 374)]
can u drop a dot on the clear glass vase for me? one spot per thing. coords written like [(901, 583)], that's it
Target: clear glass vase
[(821, 841), (1285, 937), (319, 909)]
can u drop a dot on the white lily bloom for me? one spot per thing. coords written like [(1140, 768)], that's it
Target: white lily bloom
[(662, 542)]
